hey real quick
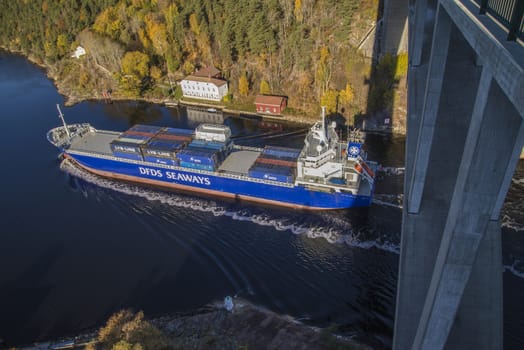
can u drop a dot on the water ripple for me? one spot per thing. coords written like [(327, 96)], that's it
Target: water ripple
[(331, 228)]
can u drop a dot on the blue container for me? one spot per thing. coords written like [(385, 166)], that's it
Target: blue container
[(170, 145), (281, 152), (163, 148), (200, 150), (192, 165), (274, 169), (217, 146), (337, 181), (160, 160), (197, 157), (268, 175), (134, 156), (177, 131), (152, 129)]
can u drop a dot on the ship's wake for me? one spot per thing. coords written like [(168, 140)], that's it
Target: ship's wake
[(389, 200), (334, 229), (516, 268)]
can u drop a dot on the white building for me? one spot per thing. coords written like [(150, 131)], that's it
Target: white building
[(205, 84), (80, 51)]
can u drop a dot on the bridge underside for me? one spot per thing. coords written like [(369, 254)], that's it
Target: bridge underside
[(465, 135)]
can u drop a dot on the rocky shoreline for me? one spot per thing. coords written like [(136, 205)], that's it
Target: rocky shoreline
[(246, 326)]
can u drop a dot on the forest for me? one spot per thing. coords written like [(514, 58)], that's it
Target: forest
[(303, 49)]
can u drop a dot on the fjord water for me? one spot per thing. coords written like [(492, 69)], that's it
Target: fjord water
[(75, 247)]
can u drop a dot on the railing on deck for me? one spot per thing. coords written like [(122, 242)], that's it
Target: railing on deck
[(508, 12)]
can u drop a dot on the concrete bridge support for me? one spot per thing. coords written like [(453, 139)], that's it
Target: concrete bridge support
[(395, 20), (465, 135)]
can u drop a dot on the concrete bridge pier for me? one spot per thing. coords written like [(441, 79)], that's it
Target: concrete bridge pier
[(465, 135)]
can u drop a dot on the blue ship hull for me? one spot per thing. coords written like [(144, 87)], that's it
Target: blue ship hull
[(211, 183)]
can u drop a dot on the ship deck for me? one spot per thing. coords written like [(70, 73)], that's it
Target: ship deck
[(95, 142), (239, 162)]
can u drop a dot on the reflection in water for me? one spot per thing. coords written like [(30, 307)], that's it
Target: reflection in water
[(204, 115)]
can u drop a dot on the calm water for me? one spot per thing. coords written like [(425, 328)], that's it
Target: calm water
[(76, 248)]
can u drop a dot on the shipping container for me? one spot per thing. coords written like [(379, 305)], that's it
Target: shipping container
[(137, 135), (270, 156), (152, 129), (276, 161), (175, 134), (213, 132), (259, 173), (191, 165), (134, 156), (218, 146), (173, 137), (198, 157), (140, 131), (281, 152), (177, 131), (126, 145), (165, 144), (275, 168), (162, 148), (160, 160)]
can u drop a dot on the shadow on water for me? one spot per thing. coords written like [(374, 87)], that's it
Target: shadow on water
[(386, 70)]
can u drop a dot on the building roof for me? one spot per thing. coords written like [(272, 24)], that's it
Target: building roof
[(214, 81), (207, 72), (269, 100)]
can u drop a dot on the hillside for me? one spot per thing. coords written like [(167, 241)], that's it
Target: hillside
[(304, 49)]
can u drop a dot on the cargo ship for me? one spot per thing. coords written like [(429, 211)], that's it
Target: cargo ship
[(327, 173)]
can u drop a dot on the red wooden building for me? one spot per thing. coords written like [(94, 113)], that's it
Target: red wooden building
[(270, 104)]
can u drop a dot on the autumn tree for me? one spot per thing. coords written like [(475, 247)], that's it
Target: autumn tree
[(297, 11), (62, 44), (243, 85), (264, 87), (157, 34), (112, 331), (401, 68), (127, 331), (155, 73), (346, 95), (323, 72), (135, 63), (188, 67), (330, 100), (175, 37), (109, 23), (193, 24), (294, 44), (135, 67)]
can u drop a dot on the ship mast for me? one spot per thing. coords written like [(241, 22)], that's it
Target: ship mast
[(61, 116), (324, 122)]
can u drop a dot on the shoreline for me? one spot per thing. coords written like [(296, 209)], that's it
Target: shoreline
[(213, 326), (70, 99)]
